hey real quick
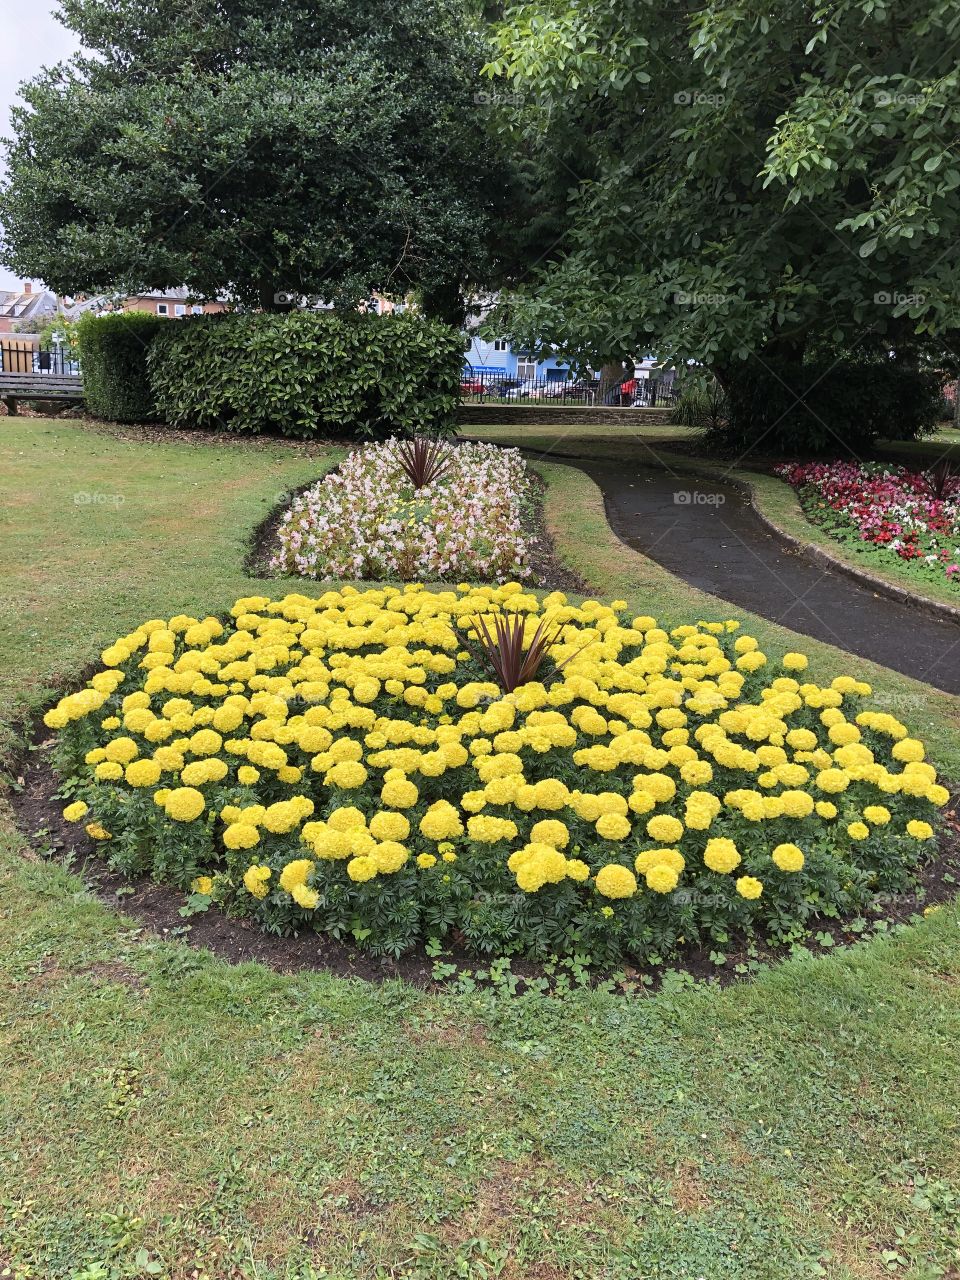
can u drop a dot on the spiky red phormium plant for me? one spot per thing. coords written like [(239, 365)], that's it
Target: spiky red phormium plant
[(502, 650), (423, 460), (943, 480)]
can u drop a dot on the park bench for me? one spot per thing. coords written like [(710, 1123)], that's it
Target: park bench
[(38, 386)]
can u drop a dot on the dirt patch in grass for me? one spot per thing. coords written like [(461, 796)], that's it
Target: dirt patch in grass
[(38, 813)]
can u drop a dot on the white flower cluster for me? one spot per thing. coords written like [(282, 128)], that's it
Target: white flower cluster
[(366, 521)]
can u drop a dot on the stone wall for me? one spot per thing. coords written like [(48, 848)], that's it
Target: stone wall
[(516, 415)]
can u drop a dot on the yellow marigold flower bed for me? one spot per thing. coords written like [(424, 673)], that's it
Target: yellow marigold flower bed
[(347, 763)]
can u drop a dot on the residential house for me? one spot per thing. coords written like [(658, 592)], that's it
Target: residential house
[(25, 306)]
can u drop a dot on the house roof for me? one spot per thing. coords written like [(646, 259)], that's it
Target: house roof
[(19, 305)]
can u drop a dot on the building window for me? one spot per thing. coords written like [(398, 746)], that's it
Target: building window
[(180, 309), (527, 370), (196, 310), (162, 309), (501, 344)]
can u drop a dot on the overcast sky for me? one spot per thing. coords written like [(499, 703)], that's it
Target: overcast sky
[(30, 38)]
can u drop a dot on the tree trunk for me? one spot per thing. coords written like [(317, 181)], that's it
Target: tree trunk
[(611, 375)]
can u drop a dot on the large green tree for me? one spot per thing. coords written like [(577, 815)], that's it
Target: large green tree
[(767, 179), (302, 147)]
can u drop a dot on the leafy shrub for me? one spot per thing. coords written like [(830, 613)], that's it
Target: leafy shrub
[(813, 408), (344, 764), (306, 373), (701, 406), (113, 357)]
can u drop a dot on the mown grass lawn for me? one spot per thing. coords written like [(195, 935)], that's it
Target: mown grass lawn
[(163, 1113)]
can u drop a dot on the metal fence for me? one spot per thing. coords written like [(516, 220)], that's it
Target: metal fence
[(648, 393), (24, 357)]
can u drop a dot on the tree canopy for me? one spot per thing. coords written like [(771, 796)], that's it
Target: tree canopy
[(761, 177), (327, 148)]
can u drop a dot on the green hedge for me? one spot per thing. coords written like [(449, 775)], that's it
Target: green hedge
[(306, 373), (113, 357), (818, 408)]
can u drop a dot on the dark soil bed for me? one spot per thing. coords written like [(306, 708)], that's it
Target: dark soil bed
[(38, 813)]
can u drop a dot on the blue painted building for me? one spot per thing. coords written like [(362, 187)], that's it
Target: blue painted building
[(498, 359)]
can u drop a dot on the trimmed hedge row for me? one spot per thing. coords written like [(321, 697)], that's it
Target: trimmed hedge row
[(113, 356), (308, 373)]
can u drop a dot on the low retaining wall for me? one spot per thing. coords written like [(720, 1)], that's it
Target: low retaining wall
[(516, 415)]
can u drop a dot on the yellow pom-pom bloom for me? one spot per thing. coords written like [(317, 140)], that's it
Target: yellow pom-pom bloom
[(616, 881), (788, 857), (919, 830), (721, 855), (665, 829), (255, 880), (749, 887), (184, 804)]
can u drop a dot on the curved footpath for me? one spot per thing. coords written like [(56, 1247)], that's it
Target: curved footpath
[(707, 533)]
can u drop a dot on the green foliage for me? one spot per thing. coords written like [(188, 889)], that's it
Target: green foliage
[(762, 176), (309, 373), (303, 148), (783, 407), (113, 354), (703, 406)]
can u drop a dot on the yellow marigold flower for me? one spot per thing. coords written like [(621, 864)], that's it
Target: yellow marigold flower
[(184, 804), (441, 822), (295, 872), (488, 830), (202, 884), (611, 826), (389, 856), (399, 793), (361, 868), (304, 896), (389, 826), (255, 880), (795, 661), (721, 855), (749, 887), (662, 879), (616, 881), (550, 794), (97, 831), (248, 775), (74, 812), (241, 835), (665, 829), (426, 860), (788, 857), (937, 795), (108, 771), (832, 781), (577, 870), (121, 750), (908, 749), (826, 809), (877, 815), (919, 830), (858, 831), (346, 774), (550, 831)]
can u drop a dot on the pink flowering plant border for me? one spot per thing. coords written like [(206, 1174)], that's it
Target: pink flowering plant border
[(887, 512), (366, 520)]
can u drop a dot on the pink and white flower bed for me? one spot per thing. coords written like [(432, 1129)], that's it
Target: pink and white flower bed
[(367, 521), (888, 507)]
